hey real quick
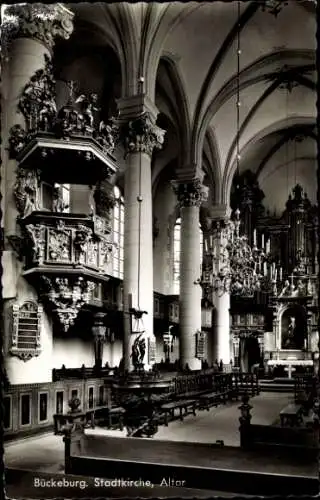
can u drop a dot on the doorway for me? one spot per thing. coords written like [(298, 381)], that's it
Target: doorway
[(249, 353)]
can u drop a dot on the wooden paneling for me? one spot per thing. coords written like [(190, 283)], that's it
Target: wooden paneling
[(62, 389)]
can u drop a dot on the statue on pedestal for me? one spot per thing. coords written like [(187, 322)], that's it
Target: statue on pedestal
[(138, 352)]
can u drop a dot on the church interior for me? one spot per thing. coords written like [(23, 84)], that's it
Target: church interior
[(160, 261)]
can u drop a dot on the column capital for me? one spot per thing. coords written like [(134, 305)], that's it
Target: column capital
[(137, 122), (37, 21), (190, 192), (142, 135)]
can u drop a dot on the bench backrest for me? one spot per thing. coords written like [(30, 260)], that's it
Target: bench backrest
[(283, 435)]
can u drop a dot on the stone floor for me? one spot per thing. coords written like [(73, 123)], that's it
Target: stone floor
[(46, 453), (220, 423), (43, 456)]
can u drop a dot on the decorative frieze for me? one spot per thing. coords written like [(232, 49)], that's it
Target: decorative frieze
[(26, 330), (142, 135), (60, 241), (37, 21), (190, 193), (67, 295)]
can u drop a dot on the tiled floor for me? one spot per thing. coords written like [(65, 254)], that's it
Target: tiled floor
[(46, 453)]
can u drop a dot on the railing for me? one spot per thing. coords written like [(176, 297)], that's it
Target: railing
[(246, 382), (82, 373), (204, 381)]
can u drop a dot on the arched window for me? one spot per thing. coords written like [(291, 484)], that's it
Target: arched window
[(176, 255), (118, 233)]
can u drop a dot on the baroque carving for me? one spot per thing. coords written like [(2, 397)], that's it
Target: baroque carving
[(80, 116), (18, 138), (67, 296), (39, 21), (101, 226), (82, 237), (26, 191), (104, 201), (191, 193), (36, 233), (37, 101), (142, 135), (59, 243), (105, 251)]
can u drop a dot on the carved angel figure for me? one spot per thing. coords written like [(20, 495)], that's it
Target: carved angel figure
[(88, 106), (106, 135), (26, 192)]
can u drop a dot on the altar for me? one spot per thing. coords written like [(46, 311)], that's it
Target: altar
[(290, 364)]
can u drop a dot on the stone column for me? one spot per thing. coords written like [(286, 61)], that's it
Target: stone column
[(140, 137), (28, 35), (190, 195), (220, 298), (99, 335)]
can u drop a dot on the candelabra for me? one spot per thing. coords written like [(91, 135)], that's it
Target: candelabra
[(232, 266)]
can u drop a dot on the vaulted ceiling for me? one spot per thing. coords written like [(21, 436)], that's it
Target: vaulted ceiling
[(187, 54)]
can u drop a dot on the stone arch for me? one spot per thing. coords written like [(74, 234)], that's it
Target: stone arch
[(275, 127), (182, 105), (247, 78)]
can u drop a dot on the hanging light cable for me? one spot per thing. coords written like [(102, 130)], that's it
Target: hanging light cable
[(238, 103), (137, 325), (233, 266)]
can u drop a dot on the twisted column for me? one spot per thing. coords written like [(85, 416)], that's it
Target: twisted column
[(140, 136), (190, 195)]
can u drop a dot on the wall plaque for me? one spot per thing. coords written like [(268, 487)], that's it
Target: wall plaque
[(26, 330), (200, 345), (151, 351)]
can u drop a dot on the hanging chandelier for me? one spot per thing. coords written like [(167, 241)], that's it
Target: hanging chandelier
[(230, 264)]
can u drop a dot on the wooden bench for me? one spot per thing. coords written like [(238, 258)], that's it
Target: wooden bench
[(291, 415), (192, 394), (208, 400), (116, 413), (188, 405), (106, 416)]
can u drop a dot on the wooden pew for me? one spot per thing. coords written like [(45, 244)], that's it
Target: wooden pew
[(291, 415), (188, 405)]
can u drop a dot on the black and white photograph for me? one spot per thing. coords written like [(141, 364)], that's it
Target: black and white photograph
[(160, 249)]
